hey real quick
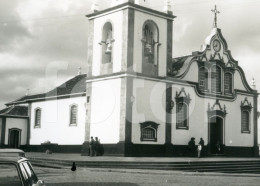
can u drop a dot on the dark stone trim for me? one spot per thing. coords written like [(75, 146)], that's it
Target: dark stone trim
[(131, 5), (129, 111), (88, 111), (3, 131), (168, 119), (141, 150), (130, 40), (256, 147), (29, 124), (169, 45), (176, 81)]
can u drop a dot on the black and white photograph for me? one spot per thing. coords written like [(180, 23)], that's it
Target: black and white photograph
[(129, 92)]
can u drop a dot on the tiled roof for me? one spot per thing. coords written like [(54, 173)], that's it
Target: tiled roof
[(72, 86), (19, 111)]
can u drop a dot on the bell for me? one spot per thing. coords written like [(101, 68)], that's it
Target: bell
[(109, 49), (148, 48)]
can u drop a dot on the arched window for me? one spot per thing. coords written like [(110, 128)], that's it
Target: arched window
[(203, 79), (182, 115), (228, 83), (150, 42), (107, 43), (73, 114), (245, 121), (37, 121), (216, 79)]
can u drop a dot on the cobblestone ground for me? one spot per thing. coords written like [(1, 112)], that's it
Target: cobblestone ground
[(106, 177)]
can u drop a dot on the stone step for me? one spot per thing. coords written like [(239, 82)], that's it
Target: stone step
[(209, 166)]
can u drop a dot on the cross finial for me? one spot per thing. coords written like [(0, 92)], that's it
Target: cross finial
[(79, 71), (215, 11)]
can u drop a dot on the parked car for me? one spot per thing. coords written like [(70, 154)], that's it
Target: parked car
[(17, 171), (11, 153)]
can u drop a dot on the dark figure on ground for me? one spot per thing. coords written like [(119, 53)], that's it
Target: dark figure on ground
[(218, 148), (202, 147), (91, 146), (97, 147), (73, 168), (192, 147)]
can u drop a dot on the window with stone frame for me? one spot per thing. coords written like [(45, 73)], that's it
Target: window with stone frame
[(203, 79), (150, 42), (149, 131), (245, 121), (182, 109), (246, 108), (216, 79), (37, 120), (73, 114), (228, 83)]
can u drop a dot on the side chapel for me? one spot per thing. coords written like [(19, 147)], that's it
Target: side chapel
[(136, 98)]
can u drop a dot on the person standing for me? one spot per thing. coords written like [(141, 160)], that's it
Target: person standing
[(91, 146), (96, 147), (202, 146), (192, 147)]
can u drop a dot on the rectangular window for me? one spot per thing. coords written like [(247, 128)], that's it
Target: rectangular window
[(181, 115), (245, 121), (37, 118), (73, 115)]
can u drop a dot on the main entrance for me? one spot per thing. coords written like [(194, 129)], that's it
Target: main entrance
[(14, 138), (216, 135)]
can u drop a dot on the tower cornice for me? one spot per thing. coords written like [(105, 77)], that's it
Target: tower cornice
[(132, 6)]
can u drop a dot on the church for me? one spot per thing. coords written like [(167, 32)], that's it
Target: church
[(138, 99)]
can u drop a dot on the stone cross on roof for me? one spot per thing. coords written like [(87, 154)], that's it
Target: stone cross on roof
[(215, 11)]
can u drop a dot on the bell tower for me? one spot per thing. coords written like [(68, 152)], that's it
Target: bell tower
[(128, 36), (127, 43)]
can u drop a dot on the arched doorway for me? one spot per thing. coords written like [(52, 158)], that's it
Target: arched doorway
[(14, 140), (216, 137)]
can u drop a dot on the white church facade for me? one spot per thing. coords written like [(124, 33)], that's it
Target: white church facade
[(138, 99)]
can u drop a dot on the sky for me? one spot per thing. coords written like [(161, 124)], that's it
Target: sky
[(42, 43)]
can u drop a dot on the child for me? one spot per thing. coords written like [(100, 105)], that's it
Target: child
[(199, 150)]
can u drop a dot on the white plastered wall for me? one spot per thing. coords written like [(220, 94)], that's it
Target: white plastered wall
[(198, 120), (18, 123), (55, 122), (140, 19), (149, 105), (116, 20), (105, 110)]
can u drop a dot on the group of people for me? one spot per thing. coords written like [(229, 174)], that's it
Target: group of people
[(95, 147), (196, 150)]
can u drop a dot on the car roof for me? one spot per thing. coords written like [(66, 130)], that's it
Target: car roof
[(14, 159), (10, 150)]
